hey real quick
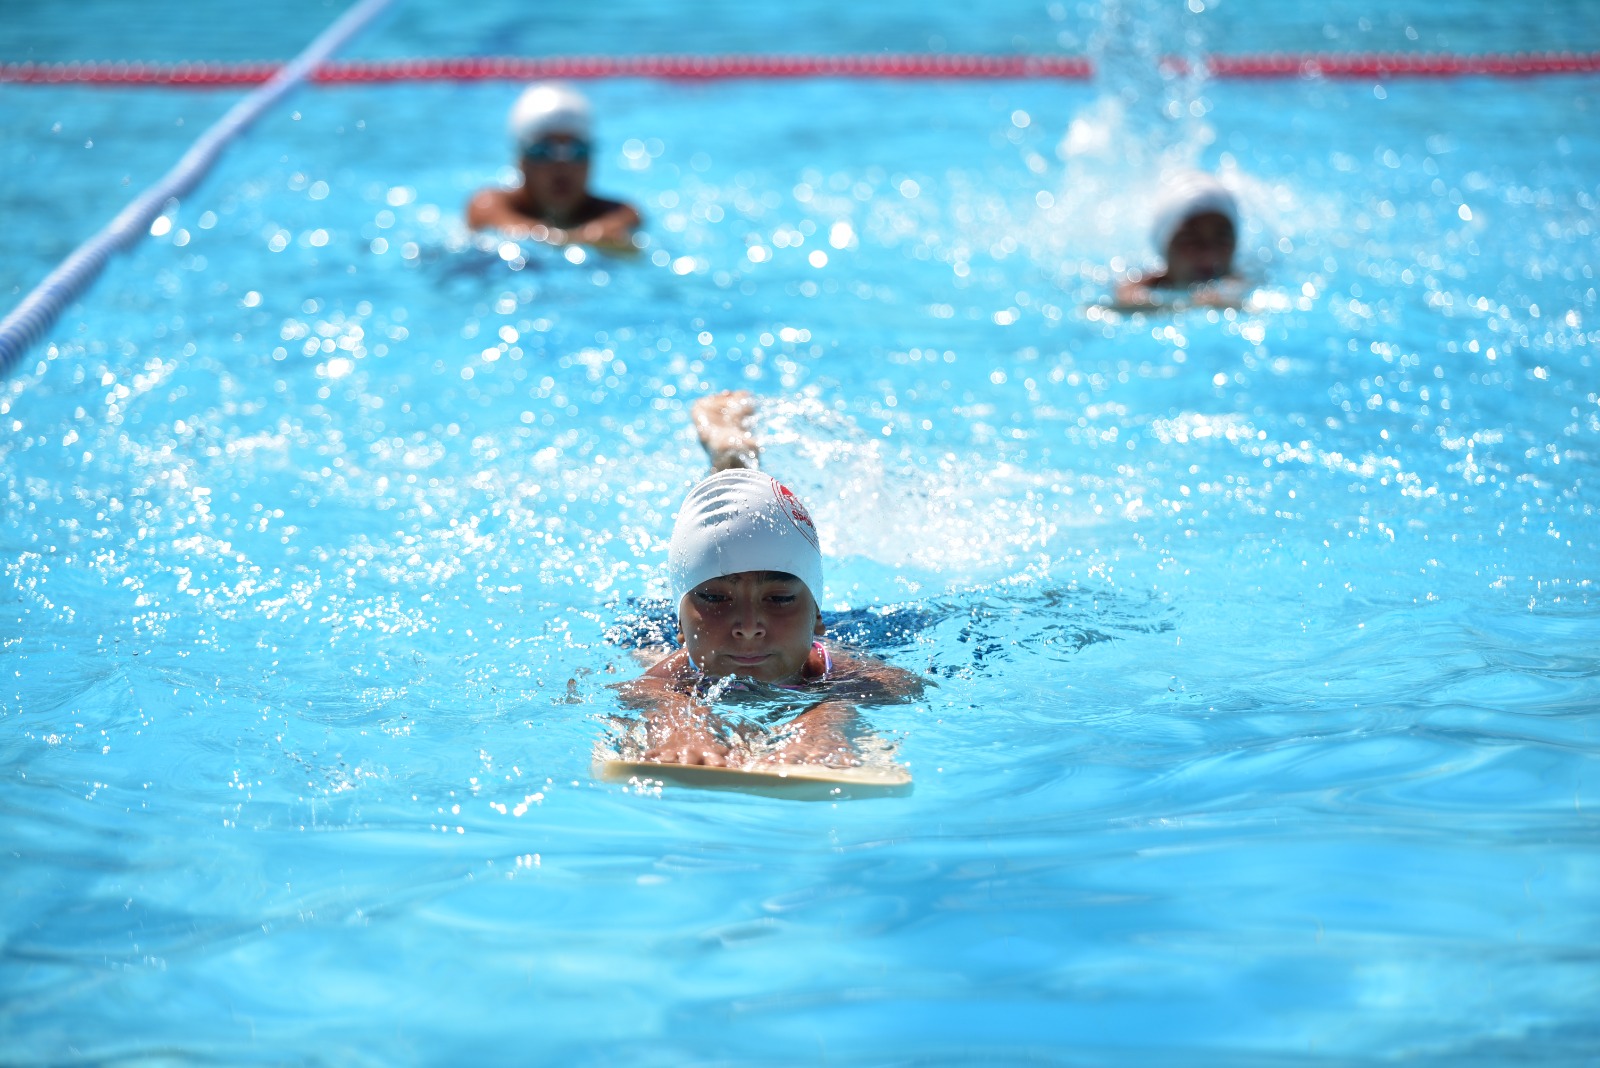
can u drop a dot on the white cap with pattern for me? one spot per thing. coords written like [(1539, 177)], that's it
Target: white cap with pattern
[(742, 520), (548, 108)]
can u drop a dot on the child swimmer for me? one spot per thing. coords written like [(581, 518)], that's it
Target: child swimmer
[(1196, 231), (550, 126), (745, 569)]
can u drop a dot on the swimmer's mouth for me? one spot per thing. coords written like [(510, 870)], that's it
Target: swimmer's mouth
[(748, 659)]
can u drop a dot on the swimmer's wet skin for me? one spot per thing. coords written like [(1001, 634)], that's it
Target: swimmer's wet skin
[(744, 563)]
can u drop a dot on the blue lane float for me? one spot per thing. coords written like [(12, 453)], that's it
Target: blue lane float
[(28, 321)]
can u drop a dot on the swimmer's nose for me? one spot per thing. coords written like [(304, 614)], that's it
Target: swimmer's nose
[(748, 623)]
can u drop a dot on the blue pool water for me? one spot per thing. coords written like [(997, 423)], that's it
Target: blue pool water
[(1266, 645)]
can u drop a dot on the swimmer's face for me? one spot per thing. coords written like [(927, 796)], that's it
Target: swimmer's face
[(555, 173), (1202, 250), (759, 624)]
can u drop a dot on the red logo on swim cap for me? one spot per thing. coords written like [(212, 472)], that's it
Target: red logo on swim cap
[(797, 513)]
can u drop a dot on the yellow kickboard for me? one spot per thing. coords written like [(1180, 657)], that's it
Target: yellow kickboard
[(799, 782)]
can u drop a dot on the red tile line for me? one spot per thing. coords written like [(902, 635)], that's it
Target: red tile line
[(1342, 65)]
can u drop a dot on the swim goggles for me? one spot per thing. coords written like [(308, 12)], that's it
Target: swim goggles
[(552, 151)]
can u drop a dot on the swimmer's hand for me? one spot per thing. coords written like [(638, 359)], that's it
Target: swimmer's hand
[(608, 224), (820, 735), (677, 729), (612, 232), (685, 737), (1140, 294), (1227, 292)]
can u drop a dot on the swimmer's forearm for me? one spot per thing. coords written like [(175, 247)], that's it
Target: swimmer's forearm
[(722, 423), (1133, 295), (731, 451), (819, 735), (684, 733), (832, 714), (612, 230)]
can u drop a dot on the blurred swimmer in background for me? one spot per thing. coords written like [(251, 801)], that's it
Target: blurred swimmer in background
[(550, 126), (1196, 231)]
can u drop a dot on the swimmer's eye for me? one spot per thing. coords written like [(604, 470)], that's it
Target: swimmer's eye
[(710, 596)]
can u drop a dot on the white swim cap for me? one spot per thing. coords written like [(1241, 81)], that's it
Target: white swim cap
[(742, 520), (1184, 196), (548, 108)]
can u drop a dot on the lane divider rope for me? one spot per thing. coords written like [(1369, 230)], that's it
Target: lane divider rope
[(28, 321), (1339, 65), (39, 309)]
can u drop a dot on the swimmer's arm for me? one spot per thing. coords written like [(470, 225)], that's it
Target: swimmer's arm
[(1136, 292), (679, 730), (867, 679), (822, 733), (819, 735), (1228, 291), (1143, 293), (492, 209), (722, 422), (611, 229)]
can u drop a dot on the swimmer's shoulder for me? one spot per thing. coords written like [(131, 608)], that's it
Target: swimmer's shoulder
[(669, 675), (493, 207), (672, 665), (1139, 289), (865, 677)]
